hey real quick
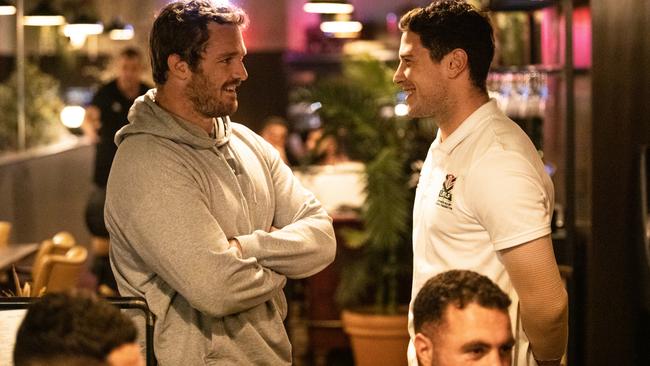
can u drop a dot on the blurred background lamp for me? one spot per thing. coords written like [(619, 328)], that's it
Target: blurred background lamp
[(80, 28), (342, 29), (77, 40), (72, 116), (401, 110), (119, 31), (328, 7), (7, 8), (44, 15), (83, 24)]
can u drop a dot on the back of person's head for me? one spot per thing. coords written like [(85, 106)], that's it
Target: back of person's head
[(446, 25), (274, 121), (182, 28), (457, 288), (64, 328), (130, 52), (274, 129)]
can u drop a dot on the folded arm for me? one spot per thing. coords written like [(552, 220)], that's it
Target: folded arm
[(158, 211), (304, 243)]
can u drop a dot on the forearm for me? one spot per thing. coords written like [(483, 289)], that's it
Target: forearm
[(304, 243), (543, 300), (298, 250), (545, 321)]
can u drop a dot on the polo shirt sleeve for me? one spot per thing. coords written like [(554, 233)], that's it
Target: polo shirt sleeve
[(507, 197)]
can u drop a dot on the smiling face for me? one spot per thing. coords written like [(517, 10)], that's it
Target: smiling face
[(212, 88), (474, 336), (421, 78)]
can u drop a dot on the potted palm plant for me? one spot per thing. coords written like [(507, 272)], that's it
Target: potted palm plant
[(358, 109)]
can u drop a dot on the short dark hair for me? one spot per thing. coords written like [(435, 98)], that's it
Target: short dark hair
[(71, 326), (182, 28), (130, 52), (445, 25), (458, 288)]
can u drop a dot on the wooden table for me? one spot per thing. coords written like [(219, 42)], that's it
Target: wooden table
[(13, 253)]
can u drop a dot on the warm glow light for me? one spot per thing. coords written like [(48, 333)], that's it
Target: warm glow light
[(121, 34), (77, 40), (7, 10), (336, 27), (328, 8), (315, 106), (44, 20), (72, 116), (401, 110), (82, 28)]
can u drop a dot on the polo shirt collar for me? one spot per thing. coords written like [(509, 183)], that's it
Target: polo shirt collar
[(469, 125)]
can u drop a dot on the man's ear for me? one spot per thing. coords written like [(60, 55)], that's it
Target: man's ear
[(127, 354), (423, 349), (456, 62), (178, 68)]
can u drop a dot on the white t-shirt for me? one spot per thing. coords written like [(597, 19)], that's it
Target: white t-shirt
[(482, 190)]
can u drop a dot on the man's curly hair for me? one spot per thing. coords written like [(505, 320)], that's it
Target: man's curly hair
[(457, 288), (71, 326)]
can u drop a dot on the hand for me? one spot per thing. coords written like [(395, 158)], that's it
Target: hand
[(234, 243)]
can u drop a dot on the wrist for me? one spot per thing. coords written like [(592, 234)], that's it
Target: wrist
[(234, 243)]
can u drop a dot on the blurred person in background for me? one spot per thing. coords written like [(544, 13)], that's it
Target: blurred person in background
[(484, 201), (274, 131), (324, 149), (105, 115), (63, 329)]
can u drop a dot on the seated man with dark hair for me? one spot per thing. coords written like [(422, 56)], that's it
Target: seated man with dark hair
[(76, 329), (461, 318)]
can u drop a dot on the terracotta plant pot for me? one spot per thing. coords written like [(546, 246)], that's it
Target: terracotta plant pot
[(377, 339)]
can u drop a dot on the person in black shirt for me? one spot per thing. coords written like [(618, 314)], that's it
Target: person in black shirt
[(105, 115)]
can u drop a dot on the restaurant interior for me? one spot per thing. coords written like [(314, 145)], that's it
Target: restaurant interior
[(573, 74)]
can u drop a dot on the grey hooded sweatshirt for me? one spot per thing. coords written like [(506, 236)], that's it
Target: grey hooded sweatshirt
[(175, 196)]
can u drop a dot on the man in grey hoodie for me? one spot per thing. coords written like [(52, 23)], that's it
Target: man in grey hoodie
[(206, 221)]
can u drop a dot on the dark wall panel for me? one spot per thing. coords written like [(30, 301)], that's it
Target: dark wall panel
[(621, 122), (265, 93)]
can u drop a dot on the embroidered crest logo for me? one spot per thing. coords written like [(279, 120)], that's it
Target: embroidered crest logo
[(445, 196)]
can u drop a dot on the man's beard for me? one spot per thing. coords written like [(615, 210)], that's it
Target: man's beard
[(203, 96)]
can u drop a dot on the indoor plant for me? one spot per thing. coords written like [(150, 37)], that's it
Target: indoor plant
[(42, 109), (357, 108)]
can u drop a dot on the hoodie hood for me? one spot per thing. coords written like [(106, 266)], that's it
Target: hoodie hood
[(146, 117)]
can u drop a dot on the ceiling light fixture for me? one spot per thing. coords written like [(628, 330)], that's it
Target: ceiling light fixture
[(83, 24), (7, 8), (328, 7), (80, 28), (44, 15), (119, 31), (339, 26)]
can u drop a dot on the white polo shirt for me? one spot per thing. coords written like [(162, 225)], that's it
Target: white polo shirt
[(482, 190)]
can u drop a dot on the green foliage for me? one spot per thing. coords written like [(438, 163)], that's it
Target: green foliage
[(357, 109), (42, 108)]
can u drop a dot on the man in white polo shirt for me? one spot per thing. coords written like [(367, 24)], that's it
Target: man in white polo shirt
[(484, 201)]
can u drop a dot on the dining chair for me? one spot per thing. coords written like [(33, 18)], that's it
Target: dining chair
[(60, 272), (5, 232), (60, 243)]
